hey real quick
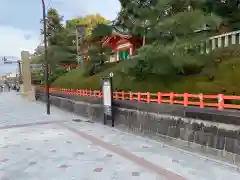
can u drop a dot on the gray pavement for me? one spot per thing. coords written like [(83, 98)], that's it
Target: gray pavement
[(34, 146)]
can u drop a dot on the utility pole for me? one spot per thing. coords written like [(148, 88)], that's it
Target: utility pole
[(80, 33), (77, 46), (47, 86)]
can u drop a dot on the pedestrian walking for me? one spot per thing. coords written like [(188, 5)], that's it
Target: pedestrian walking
[(9, 87)]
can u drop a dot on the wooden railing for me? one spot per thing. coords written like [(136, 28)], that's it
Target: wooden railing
[(219, 41), (218, 101)]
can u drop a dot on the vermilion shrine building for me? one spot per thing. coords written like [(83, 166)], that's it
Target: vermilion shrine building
[(122, 44)]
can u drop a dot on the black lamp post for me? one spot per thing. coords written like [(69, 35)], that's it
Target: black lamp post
[(47, 85)]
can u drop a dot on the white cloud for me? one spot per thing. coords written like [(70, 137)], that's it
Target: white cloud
[(13, 41), (74, 8)]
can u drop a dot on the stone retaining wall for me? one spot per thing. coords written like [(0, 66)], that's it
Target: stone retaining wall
[(217, 139)]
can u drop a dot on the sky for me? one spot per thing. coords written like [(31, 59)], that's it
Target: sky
[(20, 22)]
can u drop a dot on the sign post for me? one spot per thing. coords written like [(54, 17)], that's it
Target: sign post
[(79, 59), (107, 99)]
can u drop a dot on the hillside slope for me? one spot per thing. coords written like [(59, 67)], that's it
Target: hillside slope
[(220, 75)]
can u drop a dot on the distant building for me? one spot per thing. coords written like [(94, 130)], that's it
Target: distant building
[(4, 78), (10, 75)]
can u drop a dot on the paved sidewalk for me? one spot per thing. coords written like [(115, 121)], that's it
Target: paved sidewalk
[(16, 110), (34, 146)]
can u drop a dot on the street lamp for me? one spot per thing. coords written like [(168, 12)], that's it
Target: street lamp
[(46, 58)]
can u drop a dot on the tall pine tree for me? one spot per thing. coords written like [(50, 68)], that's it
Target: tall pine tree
[(173, 30)]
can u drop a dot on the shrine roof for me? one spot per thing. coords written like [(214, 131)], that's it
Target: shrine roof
[(117, 31)]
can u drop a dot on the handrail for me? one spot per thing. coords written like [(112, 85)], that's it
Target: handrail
[(219, 101)]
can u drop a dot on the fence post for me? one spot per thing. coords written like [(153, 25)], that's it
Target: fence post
[(185, 99), (171, 98), (139, 96), (130, 96), (201, 100), (148, 97), (220, 101), (159, 98), (90, 93)]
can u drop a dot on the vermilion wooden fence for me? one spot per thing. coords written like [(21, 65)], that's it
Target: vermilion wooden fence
[(219, 101)]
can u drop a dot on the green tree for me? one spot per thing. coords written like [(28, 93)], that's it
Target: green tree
[(90, 21), (101, 30), (174, 30), (136, 16), (60, 40), (54, 26), (228, 10), (98, 54), (61, 46), (61, 49), (39, 50)]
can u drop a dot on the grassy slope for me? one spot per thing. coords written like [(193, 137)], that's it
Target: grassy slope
[(226, 80)]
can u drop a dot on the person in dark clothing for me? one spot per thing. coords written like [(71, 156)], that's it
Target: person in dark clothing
[(9, 87), (17, 87)]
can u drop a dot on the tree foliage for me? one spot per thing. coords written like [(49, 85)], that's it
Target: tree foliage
[(61, 39), (54, 26), (173, 30), (90, 21), (229, 10), (98, 54), (101, 30)]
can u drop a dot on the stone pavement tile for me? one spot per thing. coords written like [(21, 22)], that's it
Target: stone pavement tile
[(187, 165), (16, 110), (45, 152), (127, 155)]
